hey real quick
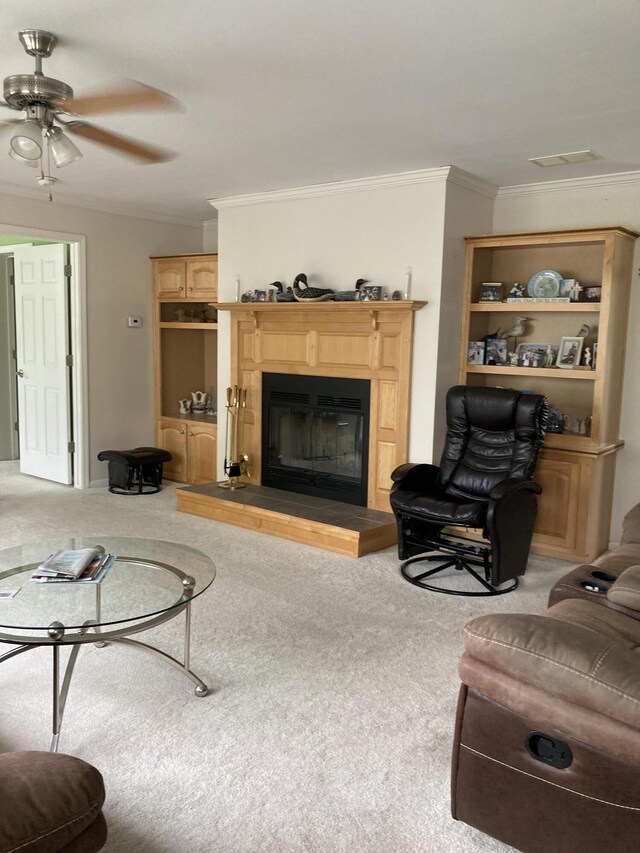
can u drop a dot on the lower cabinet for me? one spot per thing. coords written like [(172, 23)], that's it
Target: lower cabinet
[(193, 447), (574, 510)]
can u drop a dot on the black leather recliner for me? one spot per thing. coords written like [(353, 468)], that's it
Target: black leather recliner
[(494, 437)]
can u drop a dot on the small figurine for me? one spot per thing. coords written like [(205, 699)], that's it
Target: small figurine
[(587, 356), (181, 314), (396, 295), (517, 290), (574, 293), (513, 359), (549, 356), (516, 331)]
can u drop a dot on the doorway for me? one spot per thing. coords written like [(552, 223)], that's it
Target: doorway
[(62, 413)]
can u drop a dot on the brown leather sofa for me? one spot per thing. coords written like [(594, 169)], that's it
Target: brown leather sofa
[(50, 803), (547, 745)]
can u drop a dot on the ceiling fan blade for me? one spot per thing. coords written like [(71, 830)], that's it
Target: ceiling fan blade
[(135, 96), (121, 144)]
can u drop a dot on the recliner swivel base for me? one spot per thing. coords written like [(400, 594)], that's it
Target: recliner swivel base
[(461, 563)]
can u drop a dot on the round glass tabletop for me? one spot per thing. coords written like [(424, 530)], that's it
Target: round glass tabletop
[(147, 578)]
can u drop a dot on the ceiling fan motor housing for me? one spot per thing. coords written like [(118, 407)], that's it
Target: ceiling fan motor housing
[(28, 90), (24, 90)]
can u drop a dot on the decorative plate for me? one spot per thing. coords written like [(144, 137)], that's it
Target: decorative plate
[(544, 284)]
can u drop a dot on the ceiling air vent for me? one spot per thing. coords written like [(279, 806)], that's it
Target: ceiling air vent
[(563, 159)]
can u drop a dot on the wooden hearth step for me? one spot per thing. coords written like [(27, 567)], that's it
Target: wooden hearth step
[(331, 525)]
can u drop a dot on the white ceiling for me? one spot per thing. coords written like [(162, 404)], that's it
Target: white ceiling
[(286, 93)]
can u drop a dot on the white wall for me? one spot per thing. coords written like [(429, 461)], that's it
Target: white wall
[(120, 360), (611, 200), (339, 233), (467, 213)]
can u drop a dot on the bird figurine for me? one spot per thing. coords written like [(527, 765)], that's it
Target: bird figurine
[(350, 295), (585, 328), (516, 331), (304, 293), (282, 295)]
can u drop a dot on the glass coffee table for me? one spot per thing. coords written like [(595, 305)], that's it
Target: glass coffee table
[(150, 582)]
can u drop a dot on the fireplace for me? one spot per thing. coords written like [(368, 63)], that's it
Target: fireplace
[(315, 435)]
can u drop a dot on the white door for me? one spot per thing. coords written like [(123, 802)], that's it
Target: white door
[(43, 375)]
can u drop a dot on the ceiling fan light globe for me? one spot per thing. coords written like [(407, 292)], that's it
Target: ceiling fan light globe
[(19, 159), (27, 140), (62, 149)]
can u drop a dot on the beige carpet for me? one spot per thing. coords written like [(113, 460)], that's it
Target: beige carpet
[(334, 685)]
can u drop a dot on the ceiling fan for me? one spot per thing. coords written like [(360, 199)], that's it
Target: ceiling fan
[(51, 111)]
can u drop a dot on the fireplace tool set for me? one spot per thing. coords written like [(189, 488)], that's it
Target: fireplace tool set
[(235, 460)]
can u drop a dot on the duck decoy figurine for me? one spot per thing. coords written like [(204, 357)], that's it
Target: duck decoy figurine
[(282, 295), (351, 295), (303, 293)]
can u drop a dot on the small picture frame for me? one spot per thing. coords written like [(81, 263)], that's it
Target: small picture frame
[(592, 293), (569, 352), (475, 353), (370, 293), (567, 286), (259, 295), (491, 291), (496, 351)]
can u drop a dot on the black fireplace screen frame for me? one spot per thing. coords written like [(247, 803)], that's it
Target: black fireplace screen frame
[(306, 398)]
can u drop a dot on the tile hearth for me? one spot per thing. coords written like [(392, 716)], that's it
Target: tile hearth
[(331, 525)]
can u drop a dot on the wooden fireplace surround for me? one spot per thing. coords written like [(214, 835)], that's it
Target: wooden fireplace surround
[(358, 340)]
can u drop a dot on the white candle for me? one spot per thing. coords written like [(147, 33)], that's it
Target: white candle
[(407, 289), (237, 290)]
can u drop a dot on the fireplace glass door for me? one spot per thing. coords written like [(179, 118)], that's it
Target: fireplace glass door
[(315, 436)]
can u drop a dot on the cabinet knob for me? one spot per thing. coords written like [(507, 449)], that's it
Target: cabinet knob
[(191, 434), (181, 287), (181, 432), (189, 288)]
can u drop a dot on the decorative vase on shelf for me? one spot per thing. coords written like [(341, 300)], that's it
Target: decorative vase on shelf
[(199, 401)]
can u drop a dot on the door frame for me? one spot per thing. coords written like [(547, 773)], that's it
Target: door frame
[(77, 339)]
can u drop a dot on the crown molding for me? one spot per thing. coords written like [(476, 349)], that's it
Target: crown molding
[(210, 224), (422, 176), (472, 182), (590, 182), (94, 204)]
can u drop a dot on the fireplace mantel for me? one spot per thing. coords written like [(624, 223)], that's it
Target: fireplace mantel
[(360, 340)]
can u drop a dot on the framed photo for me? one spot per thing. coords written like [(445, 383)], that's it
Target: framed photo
[(590, 294), (537, 355), (569, 352), (566, 287), (259, 295), (491, 291), (370, 293), (475, 353), (496, 351)]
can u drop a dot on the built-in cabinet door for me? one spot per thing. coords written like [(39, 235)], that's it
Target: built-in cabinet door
[(170, 279), (173, 437), (201, 467), (202, 279), (558, 506)]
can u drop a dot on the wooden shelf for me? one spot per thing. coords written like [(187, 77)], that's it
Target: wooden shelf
[(540, 372), (576, 471), (169, 325), (555, 307)]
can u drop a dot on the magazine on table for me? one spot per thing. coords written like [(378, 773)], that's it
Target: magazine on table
[(87, 565)]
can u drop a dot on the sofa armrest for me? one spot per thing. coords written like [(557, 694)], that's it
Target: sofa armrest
[(631, 526), (625, 590), (564, 659)]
